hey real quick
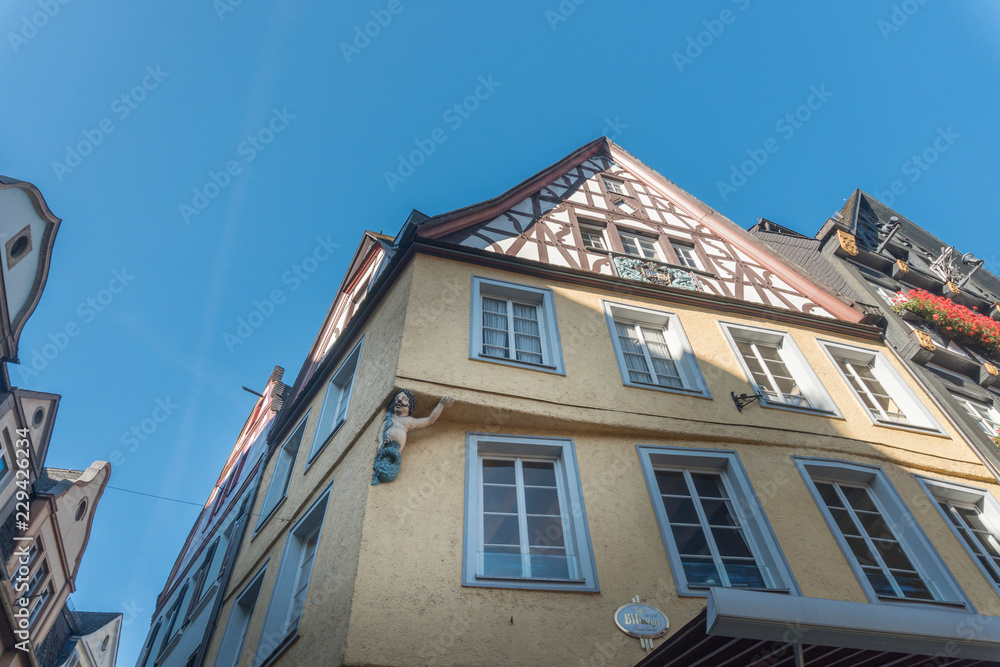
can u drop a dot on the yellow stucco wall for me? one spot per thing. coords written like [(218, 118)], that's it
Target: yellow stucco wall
[(404, 540)]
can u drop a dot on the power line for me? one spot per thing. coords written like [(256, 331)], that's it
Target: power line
[(150, 495)]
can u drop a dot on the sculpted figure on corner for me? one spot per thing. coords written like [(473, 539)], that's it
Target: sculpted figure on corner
[(397, 423)]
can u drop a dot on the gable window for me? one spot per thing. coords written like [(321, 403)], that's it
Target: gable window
[(615, 186), (639, 246), (525, 526), (283, 465), (235, 636), (35, 582), (777, 369), (686, 256), (985, 415), (593, 237), (880, 389), (338, 396), (292, 583), (652, 349), (200, 577), (889, 553), (514, 324), (711, 522)]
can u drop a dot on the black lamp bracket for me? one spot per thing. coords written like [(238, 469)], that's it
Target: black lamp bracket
[(744, 400)]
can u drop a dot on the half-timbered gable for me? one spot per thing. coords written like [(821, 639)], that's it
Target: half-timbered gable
[(602, 210)]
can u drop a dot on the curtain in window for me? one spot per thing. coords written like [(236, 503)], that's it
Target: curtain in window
[(666, 369), (495, 341), (527, 337), (635, 361)]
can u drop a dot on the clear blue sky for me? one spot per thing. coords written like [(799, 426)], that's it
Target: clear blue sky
[(557, 79)]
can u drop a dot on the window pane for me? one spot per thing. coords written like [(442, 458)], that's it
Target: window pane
[(829, 494), (500, 529), (498, 472), (879, 582), (744, 574), (629, 244), (690, 540), (549, 564), (874, 525), (859, 498), (730, 542), (913, 587), (545, 531), (680, 510), (500, 499), (541, 501), (708, 485), (501, 562), (539, 473), (861, 551), (701, 571), (719, 513), (893, 555), (671, 482)]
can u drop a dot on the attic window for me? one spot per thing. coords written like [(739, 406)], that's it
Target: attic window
[(104, 644), (36, 419), (615, 186), (18, 247), (81, 510)]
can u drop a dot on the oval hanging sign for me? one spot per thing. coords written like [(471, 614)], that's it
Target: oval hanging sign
[(640, 620)]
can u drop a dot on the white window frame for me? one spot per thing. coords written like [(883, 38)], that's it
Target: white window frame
[(282, 621), (901, 522), (969, 497), (688, 259), (5, 468), (41, 600), (576, 531), (200, 578), (812, 388), (235, 637), (552, 359), (760, 536), (336, 402), (281, 475), (677, 343), (594, 229), (917, 416), (972, 408), (635, 236), (619, 186)]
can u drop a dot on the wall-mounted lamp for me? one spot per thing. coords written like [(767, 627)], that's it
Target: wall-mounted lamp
[(744, 400)]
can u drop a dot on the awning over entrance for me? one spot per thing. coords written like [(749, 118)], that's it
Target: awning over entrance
[(754, 629)]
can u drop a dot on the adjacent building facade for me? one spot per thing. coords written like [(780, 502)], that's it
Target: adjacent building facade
[(187, 609), (650, 404), (45, 513)]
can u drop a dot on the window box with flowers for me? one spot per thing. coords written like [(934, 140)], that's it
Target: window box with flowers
[(951, 319)]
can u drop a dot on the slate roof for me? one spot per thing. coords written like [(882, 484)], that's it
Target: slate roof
[(865, 214), (805, 253)]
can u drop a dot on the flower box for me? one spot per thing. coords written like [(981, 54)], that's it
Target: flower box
[(951, 319)]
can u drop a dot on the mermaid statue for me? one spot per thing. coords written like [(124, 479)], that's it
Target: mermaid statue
[(398, 421)]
